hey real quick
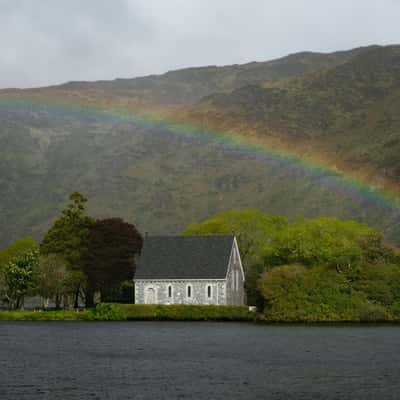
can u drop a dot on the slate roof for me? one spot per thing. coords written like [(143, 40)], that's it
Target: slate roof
[(184, 257)]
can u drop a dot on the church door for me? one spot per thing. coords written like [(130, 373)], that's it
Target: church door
[(150, 296)]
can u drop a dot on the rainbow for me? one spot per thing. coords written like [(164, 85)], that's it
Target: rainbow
[(76, 108)]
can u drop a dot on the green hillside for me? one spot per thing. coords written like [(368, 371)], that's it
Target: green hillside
[(348, 115), (162, 181)]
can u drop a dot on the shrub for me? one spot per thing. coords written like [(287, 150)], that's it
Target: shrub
[(295, 293), (370, 312), (109, 312)]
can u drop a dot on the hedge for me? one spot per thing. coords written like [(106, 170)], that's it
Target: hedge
[(176, 312)]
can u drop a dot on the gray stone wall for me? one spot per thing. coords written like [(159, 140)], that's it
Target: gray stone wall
[(156, 292), (235, 294)]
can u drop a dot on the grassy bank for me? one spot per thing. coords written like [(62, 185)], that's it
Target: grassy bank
[(138, 312), (25, 315)]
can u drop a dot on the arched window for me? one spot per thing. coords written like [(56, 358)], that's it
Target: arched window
[(236, 279), (169, 291), (189, 291), (209, 291)]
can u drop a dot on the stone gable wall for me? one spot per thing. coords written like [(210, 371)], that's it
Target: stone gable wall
[(235, 294)]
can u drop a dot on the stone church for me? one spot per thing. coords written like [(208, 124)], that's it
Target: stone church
[(190, 270)]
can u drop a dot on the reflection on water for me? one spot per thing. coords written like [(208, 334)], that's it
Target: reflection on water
[(160, 360)]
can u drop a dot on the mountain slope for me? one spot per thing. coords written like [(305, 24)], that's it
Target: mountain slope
[(347, 116), (163, 180), (191, 84)]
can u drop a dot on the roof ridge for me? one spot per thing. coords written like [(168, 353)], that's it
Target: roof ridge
[(189, 236)]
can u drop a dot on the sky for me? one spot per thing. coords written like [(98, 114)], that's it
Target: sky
[(46, 42)]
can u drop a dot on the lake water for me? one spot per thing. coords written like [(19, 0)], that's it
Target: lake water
[(162, 360)]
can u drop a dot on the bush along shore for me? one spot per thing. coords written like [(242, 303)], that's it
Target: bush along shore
[(178, 312), (137, 312)]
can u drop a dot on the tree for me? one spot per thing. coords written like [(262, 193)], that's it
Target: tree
[(110, 260), (16, 249), (52, 278), (20, 277), (75, 286), (253, 229), (299, 293), (324, 241), (69, 236)]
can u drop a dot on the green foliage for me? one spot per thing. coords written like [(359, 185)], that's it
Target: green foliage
[(52, 278), (177, 312), (18, 248), (20, 315), (325, 241), (131, 312), (69, 238), (298, 293), (267, 241), (20, 277), (380, 283), (253, 230), (75, 284), (112, 248), (123, 293), (371, 312), (295, 293), (69, 234), (336, 270), (109, 312)]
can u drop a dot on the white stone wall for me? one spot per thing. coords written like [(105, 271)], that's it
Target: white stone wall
[(199, 291)]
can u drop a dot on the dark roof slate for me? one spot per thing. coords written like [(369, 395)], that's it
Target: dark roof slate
[(185, 257)]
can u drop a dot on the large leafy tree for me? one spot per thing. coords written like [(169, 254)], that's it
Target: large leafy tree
[(112, 247), (253, 230), (12, 253), (69, 237), (326, 241), (20, 277), (16, 249)]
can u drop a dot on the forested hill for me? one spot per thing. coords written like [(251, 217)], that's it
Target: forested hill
[(190, 85), (347, 115), (339, 108)]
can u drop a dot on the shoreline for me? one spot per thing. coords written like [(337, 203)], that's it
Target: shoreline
[(171, 313)]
